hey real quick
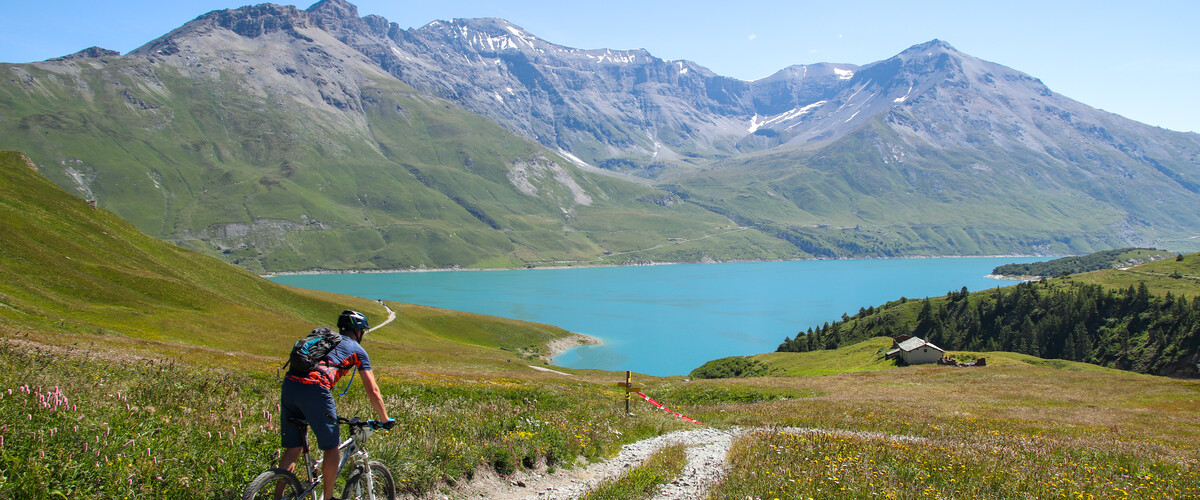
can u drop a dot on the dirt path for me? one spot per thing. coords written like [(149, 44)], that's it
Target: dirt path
[(706, 456), (706, 464), (391, 317)]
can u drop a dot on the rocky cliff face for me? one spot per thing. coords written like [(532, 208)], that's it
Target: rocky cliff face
[(602, 105), (628, 110)]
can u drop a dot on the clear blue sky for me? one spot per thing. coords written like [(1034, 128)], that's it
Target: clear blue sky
[(1137, 59)]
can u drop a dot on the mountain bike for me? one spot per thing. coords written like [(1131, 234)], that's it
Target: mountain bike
[(368, 479)]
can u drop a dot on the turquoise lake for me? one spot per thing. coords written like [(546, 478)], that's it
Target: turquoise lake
[(669, 319)]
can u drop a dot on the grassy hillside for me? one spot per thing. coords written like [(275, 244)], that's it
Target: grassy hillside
[(1108, 259), (1021, 426), (253, 167), (71, 274), (863, 356), (130, 368), (1180, 277), (1009, 430), (1142, 318), (845, 423), (874, 193)]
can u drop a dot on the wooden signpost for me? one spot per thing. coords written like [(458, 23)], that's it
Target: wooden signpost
[(629, 388)]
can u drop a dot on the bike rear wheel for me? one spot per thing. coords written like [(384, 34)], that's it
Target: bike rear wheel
[(264, 486), (383, 487)]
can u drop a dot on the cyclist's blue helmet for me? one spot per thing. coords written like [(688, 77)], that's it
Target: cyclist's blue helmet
[(352, 322)]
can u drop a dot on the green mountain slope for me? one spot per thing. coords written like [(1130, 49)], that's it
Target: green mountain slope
[(290, 151), (71, 274), (876, 192)]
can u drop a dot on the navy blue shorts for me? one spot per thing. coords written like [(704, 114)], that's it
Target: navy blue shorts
[(314, 404)]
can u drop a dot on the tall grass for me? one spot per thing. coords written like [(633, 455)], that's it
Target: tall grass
[(99, 425), (1009, 430), (823, 465), (86, 424)]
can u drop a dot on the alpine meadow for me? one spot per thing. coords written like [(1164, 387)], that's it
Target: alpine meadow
[(144, 196)]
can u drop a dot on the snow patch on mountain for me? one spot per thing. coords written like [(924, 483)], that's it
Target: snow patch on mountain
[(755, 124), (626, 58), (785, 116)]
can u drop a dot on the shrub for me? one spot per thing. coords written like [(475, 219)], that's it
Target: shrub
[(731, 367)]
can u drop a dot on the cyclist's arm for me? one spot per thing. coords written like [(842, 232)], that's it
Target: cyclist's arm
[(368, 380)]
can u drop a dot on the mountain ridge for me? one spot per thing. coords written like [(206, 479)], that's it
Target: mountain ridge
[(287, 150), (259, 131)]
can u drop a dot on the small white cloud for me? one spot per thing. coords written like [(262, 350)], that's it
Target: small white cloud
[(752, 37)]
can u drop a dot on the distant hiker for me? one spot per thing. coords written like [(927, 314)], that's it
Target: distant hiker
[(307, 394)]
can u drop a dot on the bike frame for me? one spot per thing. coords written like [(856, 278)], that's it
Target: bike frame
[(350, 450)]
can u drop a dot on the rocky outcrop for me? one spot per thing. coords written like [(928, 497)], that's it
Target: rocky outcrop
[(92, 52)]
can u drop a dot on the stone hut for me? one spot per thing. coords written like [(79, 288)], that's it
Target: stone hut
[(915, 351)]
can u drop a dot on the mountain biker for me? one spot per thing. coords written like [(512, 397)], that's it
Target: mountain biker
[(310, 397)]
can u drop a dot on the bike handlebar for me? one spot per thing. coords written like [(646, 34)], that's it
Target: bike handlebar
[(373, 424)]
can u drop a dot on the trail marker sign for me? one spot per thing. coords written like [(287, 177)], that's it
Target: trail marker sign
[(629, 388)]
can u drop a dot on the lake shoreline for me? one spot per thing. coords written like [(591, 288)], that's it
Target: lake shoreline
[(669, 319), (317, 272), (1008, 277), (564, 344)]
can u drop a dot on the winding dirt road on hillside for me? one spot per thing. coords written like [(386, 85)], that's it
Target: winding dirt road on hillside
[(391, 317)]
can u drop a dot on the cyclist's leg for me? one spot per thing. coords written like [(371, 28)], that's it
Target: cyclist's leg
[(317, 404), (329, 470), (287, 460), (328, 438), (291, 436)]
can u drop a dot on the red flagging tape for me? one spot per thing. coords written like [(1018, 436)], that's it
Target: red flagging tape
[(668, 410)]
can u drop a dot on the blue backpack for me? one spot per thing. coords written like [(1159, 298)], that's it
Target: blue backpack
[(310, 350)]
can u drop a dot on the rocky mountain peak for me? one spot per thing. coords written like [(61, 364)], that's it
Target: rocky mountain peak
[(934, 45), (340, 9), (92, 52), (804, 71), (251, 21), (486, 35), (338, 15)]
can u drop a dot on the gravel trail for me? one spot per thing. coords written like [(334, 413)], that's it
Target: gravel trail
[(706, 465)]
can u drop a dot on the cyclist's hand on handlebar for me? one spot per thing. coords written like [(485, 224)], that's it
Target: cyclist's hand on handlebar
[(390, 423)]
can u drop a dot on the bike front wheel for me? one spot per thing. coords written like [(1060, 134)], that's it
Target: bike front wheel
[(382, 486), (273, 484)]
